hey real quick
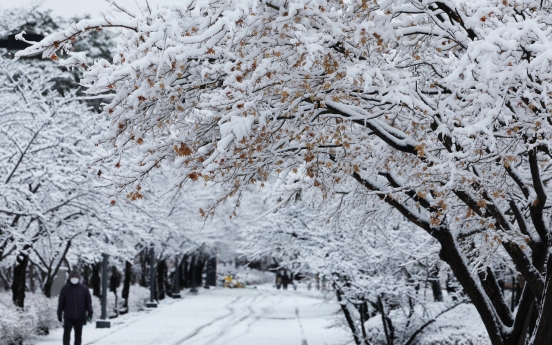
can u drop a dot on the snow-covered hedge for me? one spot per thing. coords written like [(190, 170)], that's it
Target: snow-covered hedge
[(18, 325), (138, 296), (43, 310), (459, 326), (40, 313)]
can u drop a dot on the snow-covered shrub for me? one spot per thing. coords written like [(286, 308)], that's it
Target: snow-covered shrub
[(137, 298), (44, 310), (96, 307), (38, 317), (460, 325), (13, 326), (18, 325), (455, 338)]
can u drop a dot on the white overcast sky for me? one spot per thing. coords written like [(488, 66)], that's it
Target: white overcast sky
[(70, 8)]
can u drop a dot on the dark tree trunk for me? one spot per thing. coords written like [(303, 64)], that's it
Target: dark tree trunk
[(53, 270), (185, 276), (161, 274), (144, 268), (451, 255), (190, 279), (347, 314), (32, 278), (47, 286), (436, 284), (20, 280), (126, 285), (388, 327), (96, 289), (364, 316), (114, 283), (114, 279), (437, 290), (514, 291), (199, 271), (86, 275)]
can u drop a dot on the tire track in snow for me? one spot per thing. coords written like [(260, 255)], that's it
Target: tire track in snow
[(225, 328), (253, 318), (196, 331), (228, 327)]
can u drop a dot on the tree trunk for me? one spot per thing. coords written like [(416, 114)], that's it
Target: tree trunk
[(86, 275), (144, 269), (472, 286), (543, 332), (114, 283), (32, 277), (161, 273), (199, 271), (514, 291), (364, 316), (47, 286), (436, 284), (191, 270), (347, 314), (184, 281), (20, 280), (96, 289), (126, 285), (388, 327), (114, 279)]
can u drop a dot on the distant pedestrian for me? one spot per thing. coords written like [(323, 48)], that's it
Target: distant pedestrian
[(278, 280), (285, 279), (75, 305)]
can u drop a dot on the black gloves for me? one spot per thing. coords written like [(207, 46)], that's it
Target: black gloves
[(59, 318)]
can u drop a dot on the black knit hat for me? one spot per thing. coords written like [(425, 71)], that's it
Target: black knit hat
[(75, 274)]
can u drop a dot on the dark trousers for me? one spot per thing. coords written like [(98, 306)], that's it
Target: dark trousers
[(68, 325)]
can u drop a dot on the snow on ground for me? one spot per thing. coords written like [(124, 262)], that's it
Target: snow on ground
[(462, 325), (263, 316)]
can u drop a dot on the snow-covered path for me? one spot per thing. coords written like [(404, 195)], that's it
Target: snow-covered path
[(223, 316)]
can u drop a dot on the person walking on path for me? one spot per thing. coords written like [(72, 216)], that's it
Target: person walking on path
[(285, 279), (75, 305)]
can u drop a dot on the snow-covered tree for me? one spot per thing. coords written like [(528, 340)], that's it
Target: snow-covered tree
[(44, 187), (439, 109), (379, 265)]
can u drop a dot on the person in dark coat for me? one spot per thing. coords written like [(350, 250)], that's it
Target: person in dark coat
[(75, 305), (285, 279)]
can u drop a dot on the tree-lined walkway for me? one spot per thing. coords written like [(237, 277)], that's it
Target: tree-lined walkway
[(223, 316)]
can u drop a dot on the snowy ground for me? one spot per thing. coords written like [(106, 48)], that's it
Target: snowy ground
[(263, 316)]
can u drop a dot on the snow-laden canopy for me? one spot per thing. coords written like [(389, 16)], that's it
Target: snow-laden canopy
[(440, 109)]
